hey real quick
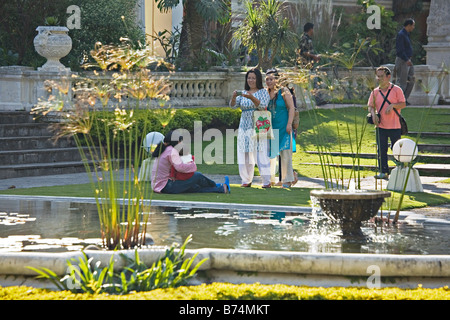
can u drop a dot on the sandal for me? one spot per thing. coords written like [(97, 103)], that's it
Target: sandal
[(295, 178), (267, 186), (246, 185), (227, 184)]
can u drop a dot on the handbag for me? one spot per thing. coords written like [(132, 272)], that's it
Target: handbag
[(177, 175), (403, 124), (262, 125), (369, 115)]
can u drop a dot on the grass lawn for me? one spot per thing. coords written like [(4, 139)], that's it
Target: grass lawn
[(254, 195), (338, 132), (334, 127)]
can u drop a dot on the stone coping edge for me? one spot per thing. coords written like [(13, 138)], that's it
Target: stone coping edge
[(255, 261)]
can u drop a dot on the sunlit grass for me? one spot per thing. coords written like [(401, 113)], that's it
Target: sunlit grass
[(255, 195)]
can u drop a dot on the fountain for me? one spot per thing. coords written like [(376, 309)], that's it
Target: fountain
[(244, 243), (350, 208)]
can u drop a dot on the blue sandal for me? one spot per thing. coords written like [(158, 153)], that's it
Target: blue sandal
[(227, 183)]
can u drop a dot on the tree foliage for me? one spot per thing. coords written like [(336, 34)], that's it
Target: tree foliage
[(193, 32), (103, 21), (265, 30)]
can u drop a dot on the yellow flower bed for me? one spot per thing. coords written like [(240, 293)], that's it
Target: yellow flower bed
[(224, 291)]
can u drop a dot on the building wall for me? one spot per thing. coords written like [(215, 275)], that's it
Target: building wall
[(156, 21)]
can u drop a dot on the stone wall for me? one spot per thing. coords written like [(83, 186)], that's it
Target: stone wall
[(22, 87)]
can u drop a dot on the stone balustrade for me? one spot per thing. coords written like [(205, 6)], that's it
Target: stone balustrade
[(428, 88), (22, 87)]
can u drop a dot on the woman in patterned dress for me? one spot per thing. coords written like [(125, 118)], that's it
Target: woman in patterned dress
[(281, 106), (249, 149)]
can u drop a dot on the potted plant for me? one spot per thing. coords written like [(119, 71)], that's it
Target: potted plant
[(53, 43)]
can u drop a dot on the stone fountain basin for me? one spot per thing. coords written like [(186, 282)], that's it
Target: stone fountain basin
[(350, 206), (350, 194)]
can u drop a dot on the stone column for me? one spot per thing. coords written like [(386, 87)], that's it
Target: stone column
[(438, 21), (438, 48)]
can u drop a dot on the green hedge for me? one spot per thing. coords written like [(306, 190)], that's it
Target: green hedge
[(224, 291), (149, 119)]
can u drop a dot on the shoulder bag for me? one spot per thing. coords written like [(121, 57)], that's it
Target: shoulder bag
[(369, 115), (403, 124)]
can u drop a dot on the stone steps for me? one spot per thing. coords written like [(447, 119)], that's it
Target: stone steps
[(434, 158), (430, 170), (24, 130), (18, 157), (40, 169), (27, 148), (430, 134), (434, 164), (34, 142)]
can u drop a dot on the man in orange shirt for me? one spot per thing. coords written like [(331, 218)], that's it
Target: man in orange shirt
[(381, 103)]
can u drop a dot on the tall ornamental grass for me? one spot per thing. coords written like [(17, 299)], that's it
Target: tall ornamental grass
[(333, 173), (111, 147), (352, 134)]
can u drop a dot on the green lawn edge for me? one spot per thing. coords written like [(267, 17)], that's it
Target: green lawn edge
[(252, 196)]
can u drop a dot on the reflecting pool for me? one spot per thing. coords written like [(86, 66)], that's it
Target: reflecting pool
[(42, 225)]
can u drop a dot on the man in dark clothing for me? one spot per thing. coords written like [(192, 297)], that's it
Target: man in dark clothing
[(308, 58), (404, 68), (306, 46)]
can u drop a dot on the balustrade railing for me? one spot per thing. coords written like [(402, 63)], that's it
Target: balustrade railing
[(22, 87)]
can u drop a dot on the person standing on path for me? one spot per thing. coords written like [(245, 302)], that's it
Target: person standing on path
[(381, 104), (404, 68), (281, 106), (249, 149)]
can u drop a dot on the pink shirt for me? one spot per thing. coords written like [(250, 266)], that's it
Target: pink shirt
[(170, 157), (390, 120)]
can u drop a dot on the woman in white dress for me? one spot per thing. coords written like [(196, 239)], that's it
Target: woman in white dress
[(249, 149)]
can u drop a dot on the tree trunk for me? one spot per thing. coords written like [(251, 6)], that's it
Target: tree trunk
[(191, 38)]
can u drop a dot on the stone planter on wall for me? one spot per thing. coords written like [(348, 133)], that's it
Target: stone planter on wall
[(53, 43)]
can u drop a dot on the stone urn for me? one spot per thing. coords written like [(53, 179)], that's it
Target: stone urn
[(53, 43), (350, 208)]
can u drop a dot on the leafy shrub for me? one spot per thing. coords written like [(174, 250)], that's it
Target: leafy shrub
[(104, 21), (170, 271), (220, 118), (382, 41)]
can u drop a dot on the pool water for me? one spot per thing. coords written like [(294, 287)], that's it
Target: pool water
[(42, 225)]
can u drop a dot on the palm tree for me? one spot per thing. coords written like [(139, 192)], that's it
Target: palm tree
[(196, 14), (265, 30)]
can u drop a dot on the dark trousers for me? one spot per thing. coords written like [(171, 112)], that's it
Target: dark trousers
[(382, 143), (197, 183)]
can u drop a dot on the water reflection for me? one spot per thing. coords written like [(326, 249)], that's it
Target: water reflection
[(59, 225)]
